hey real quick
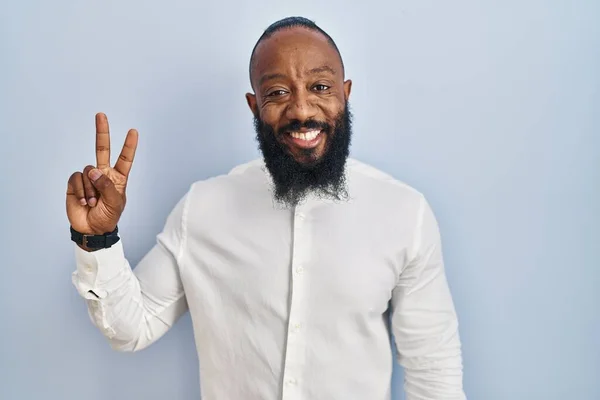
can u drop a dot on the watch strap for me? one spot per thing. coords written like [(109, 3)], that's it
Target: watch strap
[(104, 241)]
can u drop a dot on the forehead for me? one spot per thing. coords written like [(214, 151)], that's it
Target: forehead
[(294, 49)]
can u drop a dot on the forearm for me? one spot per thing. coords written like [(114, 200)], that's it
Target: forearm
[(429, 348), (128, 311), (437, 375)]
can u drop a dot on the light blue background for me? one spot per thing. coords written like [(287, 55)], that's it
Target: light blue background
[(492, 109)]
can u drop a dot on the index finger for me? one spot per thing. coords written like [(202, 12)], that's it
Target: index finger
[(102, 141)]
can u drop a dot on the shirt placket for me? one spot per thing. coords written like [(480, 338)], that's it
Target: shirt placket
[(296, 345)]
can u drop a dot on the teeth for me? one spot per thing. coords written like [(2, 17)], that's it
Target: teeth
[(311, 135)]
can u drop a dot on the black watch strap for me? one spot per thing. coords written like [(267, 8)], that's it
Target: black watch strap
[(95, 241)]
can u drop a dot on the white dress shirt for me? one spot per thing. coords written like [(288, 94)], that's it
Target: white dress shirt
[(290, 303)]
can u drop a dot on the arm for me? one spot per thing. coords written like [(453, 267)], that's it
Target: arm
[(424, 320), (134, 308)]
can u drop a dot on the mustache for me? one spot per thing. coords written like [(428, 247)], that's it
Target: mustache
[(296, 125)]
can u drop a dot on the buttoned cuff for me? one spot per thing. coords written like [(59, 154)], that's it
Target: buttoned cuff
[(97, 270)]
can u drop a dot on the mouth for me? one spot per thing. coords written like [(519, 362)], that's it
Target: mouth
[(305, 139)]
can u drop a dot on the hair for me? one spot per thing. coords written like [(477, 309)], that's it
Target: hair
[(291, 22)]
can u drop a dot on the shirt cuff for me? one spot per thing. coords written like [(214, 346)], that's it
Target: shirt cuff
[(95, 269)]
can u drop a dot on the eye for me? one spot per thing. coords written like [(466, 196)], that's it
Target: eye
[(321, 88), (276, 93)]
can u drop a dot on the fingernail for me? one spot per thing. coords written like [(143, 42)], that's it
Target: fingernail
[(95, 174), (92, 201), (82, 202)]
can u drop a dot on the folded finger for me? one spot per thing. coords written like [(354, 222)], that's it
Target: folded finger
[(75, 188), (91, 194)]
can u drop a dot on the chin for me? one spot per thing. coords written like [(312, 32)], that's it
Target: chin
[(308, 158)]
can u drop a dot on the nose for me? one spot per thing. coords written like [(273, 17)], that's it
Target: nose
[(301, 107)]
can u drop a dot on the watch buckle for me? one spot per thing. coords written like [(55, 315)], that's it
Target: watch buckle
[(84, 240)]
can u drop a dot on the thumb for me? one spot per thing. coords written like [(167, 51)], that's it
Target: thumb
[(106, 187)]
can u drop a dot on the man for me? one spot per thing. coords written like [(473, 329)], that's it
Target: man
[(294, 268)]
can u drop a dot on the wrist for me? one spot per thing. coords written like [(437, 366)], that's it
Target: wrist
[(95, 242)]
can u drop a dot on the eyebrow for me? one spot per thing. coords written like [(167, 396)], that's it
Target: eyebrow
[(268, 77), (318, 70), (324, 68)]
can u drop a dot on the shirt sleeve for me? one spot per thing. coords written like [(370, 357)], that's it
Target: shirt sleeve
[(424, 321), (134, 308)]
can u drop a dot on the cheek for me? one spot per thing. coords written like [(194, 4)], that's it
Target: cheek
[(333, 107), (272, 115)]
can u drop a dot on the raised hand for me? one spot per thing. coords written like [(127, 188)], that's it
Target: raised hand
[(96, 197)]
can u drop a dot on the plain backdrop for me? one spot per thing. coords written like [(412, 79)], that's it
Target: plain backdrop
[(490, 108)]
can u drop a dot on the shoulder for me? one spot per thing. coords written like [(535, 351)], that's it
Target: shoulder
[(365, 178), (254, 166), (241, 180)]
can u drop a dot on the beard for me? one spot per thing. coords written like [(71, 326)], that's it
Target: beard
[(323, 176)]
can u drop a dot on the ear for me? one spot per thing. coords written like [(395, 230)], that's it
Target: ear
[(347, 89), (251, 99)]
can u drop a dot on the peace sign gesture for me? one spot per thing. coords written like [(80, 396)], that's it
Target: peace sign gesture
[(96, 197)]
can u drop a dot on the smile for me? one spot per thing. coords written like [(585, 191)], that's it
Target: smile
[(306, 140)]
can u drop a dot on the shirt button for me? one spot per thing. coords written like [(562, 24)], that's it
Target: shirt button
[(300, 216), (297, 327), (292, 381), (300, 270)]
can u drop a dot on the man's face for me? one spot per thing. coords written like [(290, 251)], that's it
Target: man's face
[(300, 105)]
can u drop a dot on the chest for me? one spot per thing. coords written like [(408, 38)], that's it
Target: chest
[(334, 257)]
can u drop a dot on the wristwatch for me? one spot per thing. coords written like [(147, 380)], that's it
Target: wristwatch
[(95, 242)]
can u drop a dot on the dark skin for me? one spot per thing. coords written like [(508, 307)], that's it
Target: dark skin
[(298, 75), (96, 198)]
